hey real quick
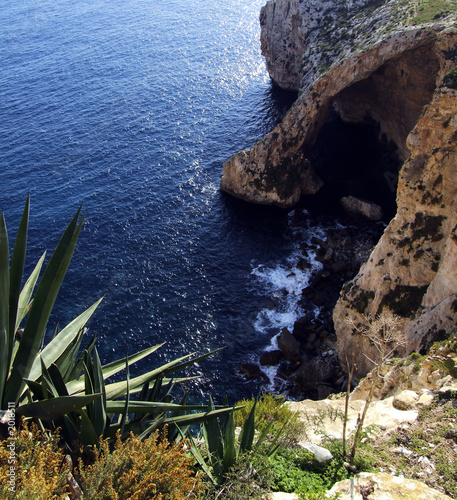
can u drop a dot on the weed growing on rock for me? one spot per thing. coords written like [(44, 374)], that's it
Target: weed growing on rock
[(427, 449), (450, 80), (384, 333)]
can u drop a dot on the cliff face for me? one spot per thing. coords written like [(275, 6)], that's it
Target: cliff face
[(376, 59), (355, 57), (283, 42), (413, 269)]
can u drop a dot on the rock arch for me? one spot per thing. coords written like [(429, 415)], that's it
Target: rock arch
[(369, 61)]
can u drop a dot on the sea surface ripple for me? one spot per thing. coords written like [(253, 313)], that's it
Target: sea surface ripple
[(130, 108)]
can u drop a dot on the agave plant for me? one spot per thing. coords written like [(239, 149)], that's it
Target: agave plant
[(59, 384), (223, 448), (139, 405), (21, 356)]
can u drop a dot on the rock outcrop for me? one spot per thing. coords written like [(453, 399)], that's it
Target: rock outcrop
[(361, 208), (362, 59), (382, 486), (329, 413), (380, 60), (412, 271)]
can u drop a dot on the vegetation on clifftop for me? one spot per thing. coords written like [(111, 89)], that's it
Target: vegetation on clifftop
[(427, 11)]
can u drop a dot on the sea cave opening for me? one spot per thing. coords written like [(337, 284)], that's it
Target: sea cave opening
[(362, 145), (354, 159)]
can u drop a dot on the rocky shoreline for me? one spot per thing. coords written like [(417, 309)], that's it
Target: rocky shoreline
[(389, 63), (306, 360)]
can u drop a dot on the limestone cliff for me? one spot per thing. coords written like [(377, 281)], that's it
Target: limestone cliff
[(356, 56), (413, 269), (385, 60)]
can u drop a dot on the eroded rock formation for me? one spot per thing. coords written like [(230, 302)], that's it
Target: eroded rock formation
[(413, 269), (369, 59), (365, 62)]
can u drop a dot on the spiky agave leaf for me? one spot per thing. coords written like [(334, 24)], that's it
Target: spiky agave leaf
[(6, 339), (43, 302)]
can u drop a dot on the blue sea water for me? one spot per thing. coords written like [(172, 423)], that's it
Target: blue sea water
[(130, 108)]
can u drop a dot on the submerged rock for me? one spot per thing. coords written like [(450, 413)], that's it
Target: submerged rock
[(362, 208)]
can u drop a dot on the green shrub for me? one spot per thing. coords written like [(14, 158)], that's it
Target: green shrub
[(296, 471), (450, 80), (270, 409), (416, 360), (222, 449)]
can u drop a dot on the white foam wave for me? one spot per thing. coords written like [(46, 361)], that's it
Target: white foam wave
[(284, 283)]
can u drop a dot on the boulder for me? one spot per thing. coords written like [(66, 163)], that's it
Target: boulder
[(270, 358), (324, 391), (251, 371), (340, 267), (303, 264), (314, 372), (362, 208), (318, 300), (406, 400), (288, 345), (425, 399), (382, 486), (303, 328)]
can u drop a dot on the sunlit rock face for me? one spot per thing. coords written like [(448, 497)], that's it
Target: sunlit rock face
[(358, 57), (369, 60), (283, 42), (413, 269)]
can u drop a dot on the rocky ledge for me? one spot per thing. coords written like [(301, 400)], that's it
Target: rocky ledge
[(393, 62), (416, 406)]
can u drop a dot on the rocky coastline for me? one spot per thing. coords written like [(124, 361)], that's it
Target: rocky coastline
[(306, 358), (392, 64)]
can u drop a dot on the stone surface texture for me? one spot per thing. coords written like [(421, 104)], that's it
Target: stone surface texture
[(413, 269), (423, 378), (324, 418), (382, 486)]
